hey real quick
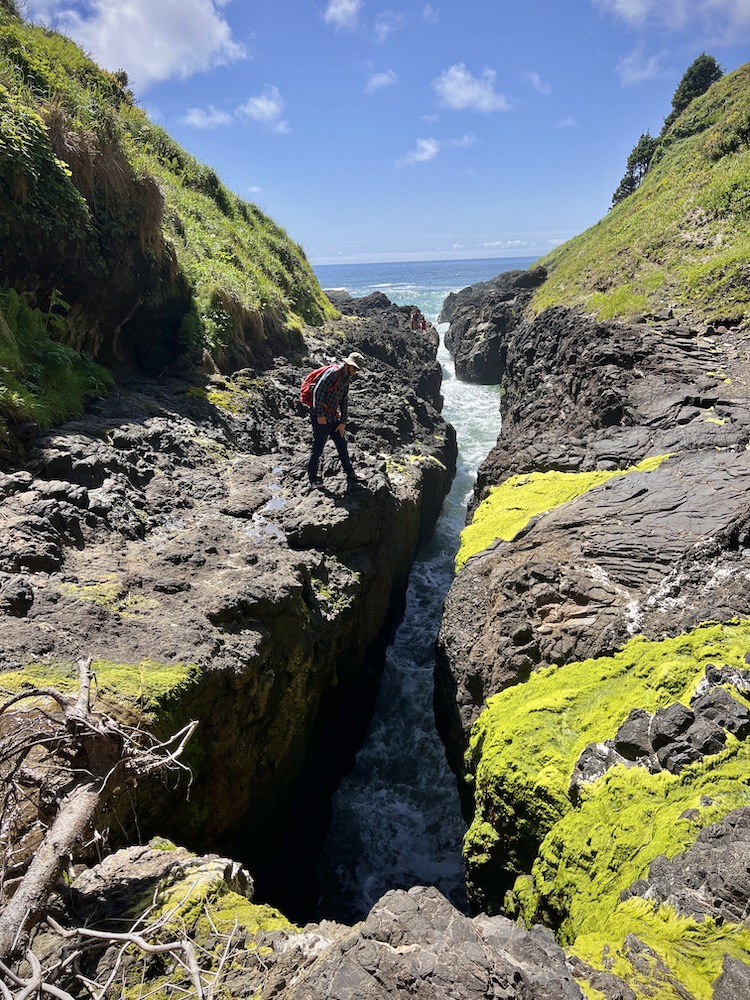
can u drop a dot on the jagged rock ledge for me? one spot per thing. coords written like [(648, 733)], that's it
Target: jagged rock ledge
[(170, 535), (593, 652)]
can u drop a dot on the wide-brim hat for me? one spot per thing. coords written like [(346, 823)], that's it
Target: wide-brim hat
[(355, 359)]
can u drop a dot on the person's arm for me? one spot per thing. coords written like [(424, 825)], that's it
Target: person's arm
[(344, 403)]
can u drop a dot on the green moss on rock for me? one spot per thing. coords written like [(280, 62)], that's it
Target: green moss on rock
[(570, 863), (133, 691), (510, 506)]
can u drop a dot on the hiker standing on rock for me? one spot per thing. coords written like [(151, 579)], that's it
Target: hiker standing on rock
[(330, 399)]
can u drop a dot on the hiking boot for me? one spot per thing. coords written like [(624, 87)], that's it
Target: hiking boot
[(316, 484), (355, 479)]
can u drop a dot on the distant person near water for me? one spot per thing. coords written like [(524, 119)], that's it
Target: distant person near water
[(328, 412)]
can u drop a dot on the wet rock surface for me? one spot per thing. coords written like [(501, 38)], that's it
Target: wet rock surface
[(481, 317)]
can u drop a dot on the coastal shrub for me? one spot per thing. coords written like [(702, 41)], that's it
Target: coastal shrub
[(510, 506), (35, 185), (566, 864)]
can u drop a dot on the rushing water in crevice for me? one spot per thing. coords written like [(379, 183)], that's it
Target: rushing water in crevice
[(396, 819)]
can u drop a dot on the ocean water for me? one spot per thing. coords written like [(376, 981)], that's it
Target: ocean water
[(424, 284), (396, 819)]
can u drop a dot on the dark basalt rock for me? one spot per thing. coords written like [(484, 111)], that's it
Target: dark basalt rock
[(481, 317), (654, 553), (412, 943), (711, 879), (173, 524), (734, 981), (674, 736)]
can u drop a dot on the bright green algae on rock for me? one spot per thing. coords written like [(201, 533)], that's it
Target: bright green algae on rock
[(144, 688), (510, 506), (595, 852), (580, 858)]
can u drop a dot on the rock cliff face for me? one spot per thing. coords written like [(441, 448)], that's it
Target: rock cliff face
[(481, 316), (592, 659), (170, 535)]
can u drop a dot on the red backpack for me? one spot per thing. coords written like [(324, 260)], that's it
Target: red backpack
[(308, 384)]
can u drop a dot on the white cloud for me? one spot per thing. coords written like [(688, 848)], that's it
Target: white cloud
[(266, 108), (376, 81), (537, 82), (210, 118), (430, 13), (567, 123), (386, 23), (722, 20), (504, 244), (171, 39), (342, 13), (674, 13), (637, 67), (428, 149), (466, 140), (458, 89)]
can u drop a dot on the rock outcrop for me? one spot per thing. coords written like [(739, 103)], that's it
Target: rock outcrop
[(170, 534), (480, 318), (412, 943), (592, 658)]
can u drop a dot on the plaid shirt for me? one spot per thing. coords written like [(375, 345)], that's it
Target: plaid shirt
[(331, 394)]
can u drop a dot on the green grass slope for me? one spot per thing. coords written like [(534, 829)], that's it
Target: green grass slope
[(683, 237), (116, 245)]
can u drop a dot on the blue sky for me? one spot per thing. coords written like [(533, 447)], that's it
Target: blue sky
[(383, 130)]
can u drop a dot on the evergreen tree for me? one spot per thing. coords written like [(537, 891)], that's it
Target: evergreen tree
[(696, 80), (698, 77), (637, 165)]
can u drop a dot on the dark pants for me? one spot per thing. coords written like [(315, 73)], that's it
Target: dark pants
[(320, 434)]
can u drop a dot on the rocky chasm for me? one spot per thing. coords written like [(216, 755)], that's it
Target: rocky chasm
[(592, 664)]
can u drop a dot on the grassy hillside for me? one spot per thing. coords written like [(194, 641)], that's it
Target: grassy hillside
[(116, 245), (683, 237)]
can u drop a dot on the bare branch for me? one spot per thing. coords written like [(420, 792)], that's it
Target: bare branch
[(184, 945), (88, 754), (83, 704), (61, 699)]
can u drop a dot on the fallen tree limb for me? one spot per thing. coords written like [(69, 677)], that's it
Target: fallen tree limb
[(93, 754)]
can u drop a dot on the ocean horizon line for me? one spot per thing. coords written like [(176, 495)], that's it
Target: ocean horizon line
[(426, 260)]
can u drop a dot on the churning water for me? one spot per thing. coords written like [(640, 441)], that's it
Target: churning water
[(396, 817)]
